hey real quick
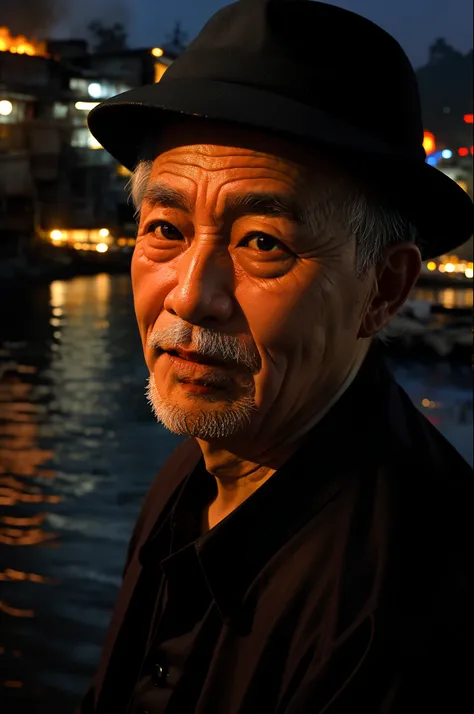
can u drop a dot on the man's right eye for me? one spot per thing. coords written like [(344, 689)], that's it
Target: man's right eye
[(164, 230)]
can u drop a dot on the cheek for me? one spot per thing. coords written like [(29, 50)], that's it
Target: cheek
[(279, 314), (151, 284), (292, 320), (275, 315)]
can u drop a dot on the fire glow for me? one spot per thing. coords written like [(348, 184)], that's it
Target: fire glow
[(20, 44)]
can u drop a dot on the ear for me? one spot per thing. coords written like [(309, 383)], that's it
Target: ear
[(395, 277)]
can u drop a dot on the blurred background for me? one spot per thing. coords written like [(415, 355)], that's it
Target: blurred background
[(78, 443)]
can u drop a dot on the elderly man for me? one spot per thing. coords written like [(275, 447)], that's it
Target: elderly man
[(305, 550)]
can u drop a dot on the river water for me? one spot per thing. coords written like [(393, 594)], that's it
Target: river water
[(78, 449)]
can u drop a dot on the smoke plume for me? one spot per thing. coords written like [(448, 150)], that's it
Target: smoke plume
[(60, 18), (31, 17)]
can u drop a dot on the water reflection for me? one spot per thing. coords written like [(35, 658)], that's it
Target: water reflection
[(78, 449), (449, 298)]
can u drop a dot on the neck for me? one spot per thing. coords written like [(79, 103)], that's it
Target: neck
[(237, 477)]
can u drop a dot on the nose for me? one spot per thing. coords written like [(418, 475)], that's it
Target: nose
[(203, 294)]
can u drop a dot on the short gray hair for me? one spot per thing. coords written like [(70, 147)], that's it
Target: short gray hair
[(374, 224)]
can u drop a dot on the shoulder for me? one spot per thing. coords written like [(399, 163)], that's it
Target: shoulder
[(431, 489), (164, 487), (173, 472), (414, 444), (433, 482)]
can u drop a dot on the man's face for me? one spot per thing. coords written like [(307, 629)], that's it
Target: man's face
[(225, 271)]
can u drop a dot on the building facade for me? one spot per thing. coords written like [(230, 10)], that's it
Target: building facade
[(54, 175)]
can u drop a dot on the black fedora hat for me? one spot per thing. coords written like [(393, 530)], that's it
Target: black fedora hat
[(311, 71)]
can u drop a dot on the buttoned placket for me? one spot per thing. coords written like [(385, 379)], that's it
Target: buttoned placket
[(160, 675), (155, 619)]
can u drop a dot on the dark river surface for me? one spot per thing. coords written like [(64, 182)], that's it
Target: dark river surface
[(78, 449)]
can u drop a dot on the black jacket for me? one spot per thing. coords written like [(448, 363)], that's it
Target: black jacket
[(342, 584)]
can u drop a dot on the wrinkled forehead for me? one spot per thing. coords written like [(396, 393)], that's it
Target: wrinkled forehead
[(185, 135)]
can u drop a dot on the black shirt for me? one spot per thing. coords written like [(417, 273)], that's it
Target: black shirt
[(206, 577), (339, 586), (184, 603)]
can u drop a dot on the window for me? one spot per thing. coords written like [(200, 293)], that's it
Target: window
[(160, 69), (80, 138), (79, 85), (83, 139), (60, 111)]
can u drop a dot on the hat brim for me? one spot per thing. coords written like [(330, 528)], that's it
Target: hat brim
[(442, 210)]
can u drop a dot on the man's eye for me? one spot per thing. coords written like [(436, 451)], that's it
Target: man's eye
[(263, 243), (163, 229)]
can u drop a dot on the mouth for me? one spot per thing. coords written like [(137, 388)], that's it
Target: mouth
[(195, 358), (197, 374)]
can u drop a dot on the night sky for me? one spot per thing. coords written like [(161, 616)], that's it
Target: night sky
[(414, 23)]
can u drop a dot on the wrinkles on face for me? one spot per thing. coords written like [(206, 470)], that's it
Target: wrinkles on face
[(298, 306)]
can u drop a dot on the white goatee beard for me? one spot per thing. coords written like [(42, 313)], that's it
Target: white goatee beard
[(205, 424)]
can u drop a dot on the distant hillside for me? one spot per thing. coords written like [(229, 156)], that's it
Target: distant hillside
[(446, 83)]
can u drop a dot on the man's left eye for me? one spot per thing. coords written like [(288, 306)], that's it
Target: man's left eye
[(263, 243)]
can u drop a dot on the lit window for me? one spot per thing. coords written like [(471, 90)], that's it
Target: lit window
[(80, 138), (92, 142), (79, 85), (160, 69), (122, 171), (60, 111)]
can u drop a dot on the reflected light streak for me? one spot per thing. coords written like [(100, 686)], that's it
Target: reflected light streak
[(25, 369), (23, 463), (33, 537), (16, 521), (57, 293), (21, 459), (17, 391), (10, 575), (15, 611), (18, 411), (449, 298), (10, 497), (12, 683)]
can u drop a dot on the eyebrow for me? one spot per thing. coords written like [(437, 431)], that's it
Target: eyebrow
[(241, 204)]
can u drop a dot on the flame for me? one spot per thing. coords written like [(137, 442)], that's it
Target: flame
[(20, 45)]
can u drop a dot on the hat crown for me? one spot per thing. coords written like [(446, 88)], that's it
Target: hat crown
[(321, 55)]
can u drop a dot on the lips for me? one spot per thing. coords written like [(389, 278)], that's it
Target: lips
[(195, 357)]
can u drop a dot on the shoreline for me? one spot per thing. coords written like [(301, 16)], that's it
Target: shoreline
[(423, 329)]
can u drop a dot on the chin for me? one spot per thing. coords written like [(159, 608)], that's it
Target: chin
[(203, 416)]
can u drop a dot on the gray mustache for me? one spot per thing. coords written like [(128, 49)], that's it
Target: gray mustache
[(207, 343)]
